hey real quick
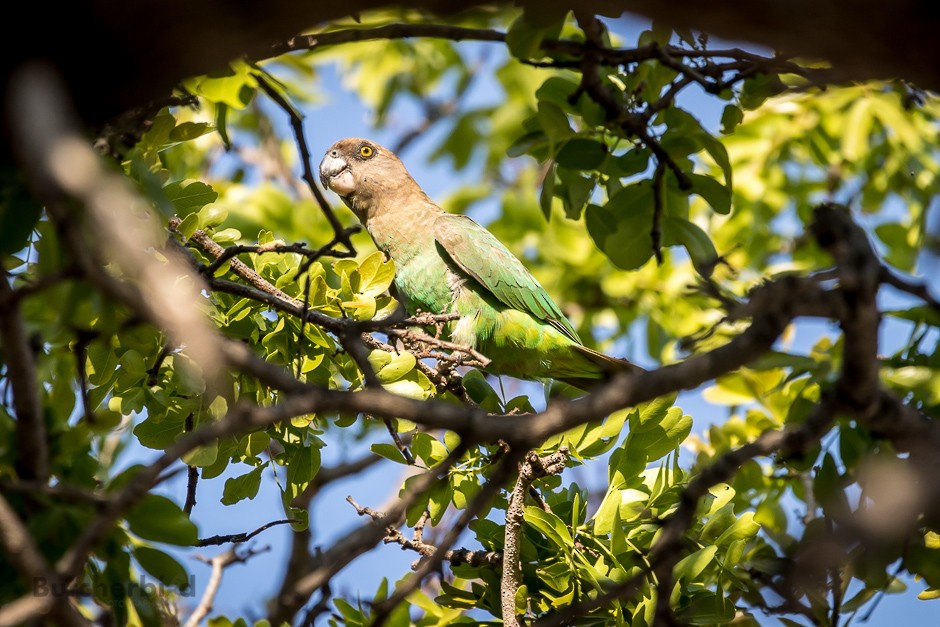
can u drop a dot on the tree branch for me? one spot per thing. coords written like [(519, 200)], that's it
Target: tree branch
[(382, 610), (454, 556), (286, 605), (532, 468), (361, 540)]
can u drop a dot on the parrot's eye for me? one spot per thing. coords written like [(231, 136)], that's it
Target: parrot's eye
[(366, 151)]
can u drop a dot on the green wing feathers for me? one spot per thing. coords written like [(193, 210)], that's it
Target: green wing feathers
[(477, 252), (609, 365)]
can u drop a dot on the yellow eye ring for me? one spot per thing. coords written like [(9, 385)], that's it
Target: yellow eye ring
[(366, 151)]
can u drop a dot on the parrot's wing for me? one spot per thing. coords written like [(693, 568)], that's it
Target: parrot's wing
[(477, 252)]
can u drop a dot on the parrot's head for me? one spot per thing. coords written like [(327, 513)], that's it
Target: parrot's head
[(365, 175)]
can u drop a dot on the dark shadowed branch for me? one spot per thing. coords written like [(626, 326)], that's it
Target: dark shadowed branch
[(33, 458)]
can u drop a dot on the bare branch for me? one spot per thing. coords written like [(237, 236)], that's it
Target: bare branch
[(454, 556), (419, 336), (219, 563), (531, 469)]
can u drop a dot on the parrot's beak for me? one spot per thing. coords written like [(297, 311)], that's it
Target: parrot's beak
[(336, 175)]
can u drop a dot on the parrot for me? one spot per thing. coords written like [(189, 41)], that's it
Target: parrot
[(448, 263)]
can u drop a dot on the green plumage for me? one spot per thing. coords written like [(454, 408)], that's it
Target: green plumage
[(448, 263)]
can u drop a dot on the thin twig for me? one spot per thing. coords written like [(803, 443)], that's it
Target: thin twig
[(298, 248), (241, 537), (81, 351), (453, 556), (192, 474), (296, 122), (420, 336), (153, 373), (914, 289), (616, 110), (656, 232)]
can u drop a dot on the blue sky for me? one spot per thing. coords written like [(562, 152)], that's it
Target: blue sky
[(246, 587)]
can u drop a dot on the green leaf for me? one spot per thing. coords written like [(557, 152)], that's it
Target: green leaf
[(655, 439), (439, 498), (189, 195), (234, 86), (394, 368), (375, 274), (303, 465), (688, 234), (581, 153), (162, 566), (113, 589), (918, 313), (828, 486), (744, 528), (715, 194), (550, 525), (856, 130), (388, 451), (160, 434), (202, 456), (19, 212), (525, 35), (212, 215), (186, 131), (221, 124), (554, 122), (575, 191), (159, 519), (527, 144), (227, 236), (547, 193), (242, 487), (480, 391), (691, 566), (731, 116), (622, 227), (756, 89), (427, 448), (414, 384), (681, 124)]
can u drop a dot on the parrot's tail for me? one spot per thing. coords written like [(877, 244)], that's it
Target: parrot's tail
[(607, 367)]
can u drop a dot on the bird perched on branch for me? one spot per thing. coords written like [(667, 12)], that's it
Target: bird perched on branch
[(447, 263)]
